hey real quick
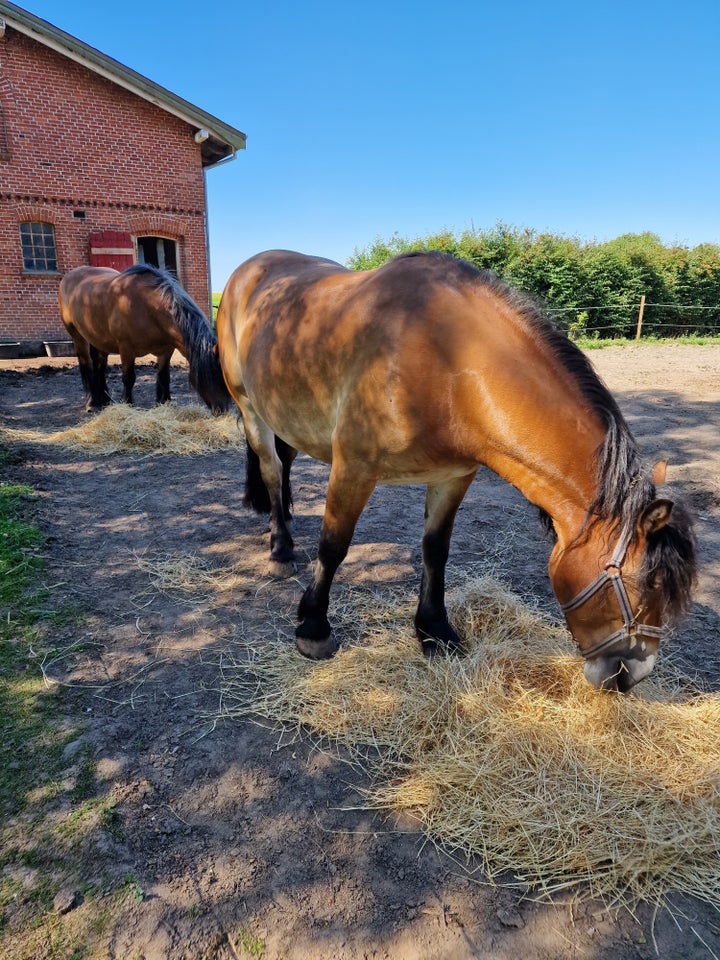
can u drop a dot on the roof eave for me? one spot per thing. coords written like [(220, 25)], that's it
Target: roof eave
[(222, 140)]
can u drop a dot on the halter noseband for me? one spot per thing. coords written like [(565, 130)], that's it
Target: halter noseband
[(631, 628)]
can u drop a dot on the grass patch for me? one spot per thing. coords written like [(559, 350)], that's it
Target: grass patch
[(85, 783), (25, 736), (647, 340), (38, 854), (51, 805), (250, 946), (20, 559)]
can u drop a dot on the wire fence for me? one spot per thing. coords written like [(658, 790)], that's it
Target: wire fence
[(635, 319)]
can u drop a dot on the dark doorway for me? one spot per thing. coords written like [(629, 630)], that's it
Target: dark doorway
[(159, 252)]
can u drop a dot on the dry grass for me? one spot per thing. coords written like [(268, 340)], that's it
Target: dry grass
[(507, 754), (121, 428), (189, 579)]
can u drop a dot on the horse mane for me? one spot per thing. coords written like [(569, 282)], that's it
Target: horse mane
[(199, 341), (624, 489)]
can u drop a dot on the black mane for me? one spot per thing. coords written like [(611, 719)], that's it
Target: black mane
[(199, 340)]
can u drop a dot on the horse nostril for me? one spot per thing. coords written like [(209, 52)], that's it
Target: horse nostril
[(624, 678), (616, 671)]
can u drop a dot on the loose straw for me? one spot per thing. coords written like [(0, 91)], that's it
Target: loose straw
[(121, 428), (506, 754)]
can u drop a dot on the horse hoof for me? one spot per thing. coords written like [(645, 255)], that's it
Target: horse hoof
[(317, 649), (433, 648), (282, 569), (429, 648)]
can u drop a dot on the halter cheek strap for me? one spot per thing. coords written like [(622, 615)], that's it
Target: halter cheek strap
[(612, 573)]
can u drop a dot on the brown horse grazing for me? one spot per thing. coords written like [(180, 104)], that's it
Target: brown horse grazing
[(139, 311), (418, 372)]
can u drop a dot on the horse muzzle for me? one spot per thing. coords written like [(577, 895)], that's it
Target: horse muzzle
[(618, 672)]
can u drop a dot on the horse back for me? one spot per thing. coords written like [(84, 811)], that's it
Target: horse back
[(116, 313), (331, 358), (142, 316), (421, 368), (80, 289), (80, 294), (263, 301)]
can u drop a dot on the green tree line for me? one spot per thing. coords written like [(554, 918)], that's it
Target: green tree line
[(590, 289)]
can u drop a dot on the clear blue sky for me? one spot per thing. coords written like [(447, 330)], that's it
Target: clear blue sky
[(587, 119)]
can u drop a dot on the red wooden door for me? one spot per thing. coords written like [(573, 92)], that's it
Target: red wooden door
[(111, 248)]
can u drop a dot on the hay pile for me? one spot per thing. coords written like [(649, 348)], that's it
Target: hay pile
[(121, 428), (507, 754)]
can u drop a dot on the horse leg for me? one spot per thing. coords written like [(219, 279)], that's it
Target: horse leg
[(99, 395), (82, 349), (287, 456), (128, 378), (162, 383), (264, 465), (256, 493), (346, 497), (442, 501)]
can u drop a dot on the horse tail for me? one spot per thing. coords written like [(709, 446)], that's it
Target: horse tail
[(199, 340), (256, 495)]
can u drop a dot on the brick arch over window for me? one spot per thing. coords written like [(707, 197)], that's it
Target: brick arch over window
[(4, 140), (37, 213), (6, 97), (162, 226)]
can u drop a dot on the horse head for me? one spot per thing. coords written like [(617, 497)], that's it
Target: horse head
[(216, 397), (206, 374), (620, 585)]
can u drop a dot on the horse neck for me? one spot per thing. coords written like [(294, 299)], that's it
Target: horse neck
[(533, 427), (179, 340), (174, 325), (560, 489)]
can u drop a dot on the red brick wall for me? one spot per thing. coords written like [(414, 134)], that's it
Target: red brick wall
[(78, 142)]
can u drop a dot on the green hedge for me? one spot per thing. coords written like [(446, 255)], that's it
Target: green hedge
[(590, 289)]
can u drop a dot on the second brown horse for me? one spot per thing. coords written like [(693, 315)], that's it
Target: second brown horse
[(418, 372), (137, 312)]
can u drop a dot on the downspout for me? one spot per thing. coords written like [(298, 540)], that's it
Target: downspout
[(207, 248)]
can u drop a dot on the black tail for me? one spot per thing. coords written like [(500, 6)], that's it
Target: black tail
[(256, 493), (200, 342)]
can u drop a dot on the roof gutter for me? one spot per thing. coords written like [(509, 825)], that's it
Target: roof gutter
[(223, 160)]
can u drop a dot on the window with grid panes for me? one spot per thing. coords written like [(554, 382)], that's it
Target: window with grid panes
[(38, 247)]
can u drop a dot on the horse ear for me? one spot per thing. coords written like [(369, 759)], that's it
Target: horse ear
[(655, 516), (659, 471)]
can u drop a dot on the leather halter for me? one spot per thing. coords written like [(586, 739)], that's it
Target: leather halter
[(612, 573)]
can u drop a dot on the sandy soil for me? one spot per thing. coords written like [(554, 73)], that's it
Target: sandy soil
[(238, 834)]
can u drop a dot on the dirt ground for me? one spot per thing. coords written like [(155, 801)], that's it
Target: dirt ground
[(237, 834)]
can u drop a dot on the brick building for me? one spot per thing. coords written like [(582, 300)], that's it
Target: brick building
[(98, 165)]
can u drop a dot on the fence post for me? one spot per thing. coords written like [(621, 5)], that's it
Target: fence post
[(640, 317)]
